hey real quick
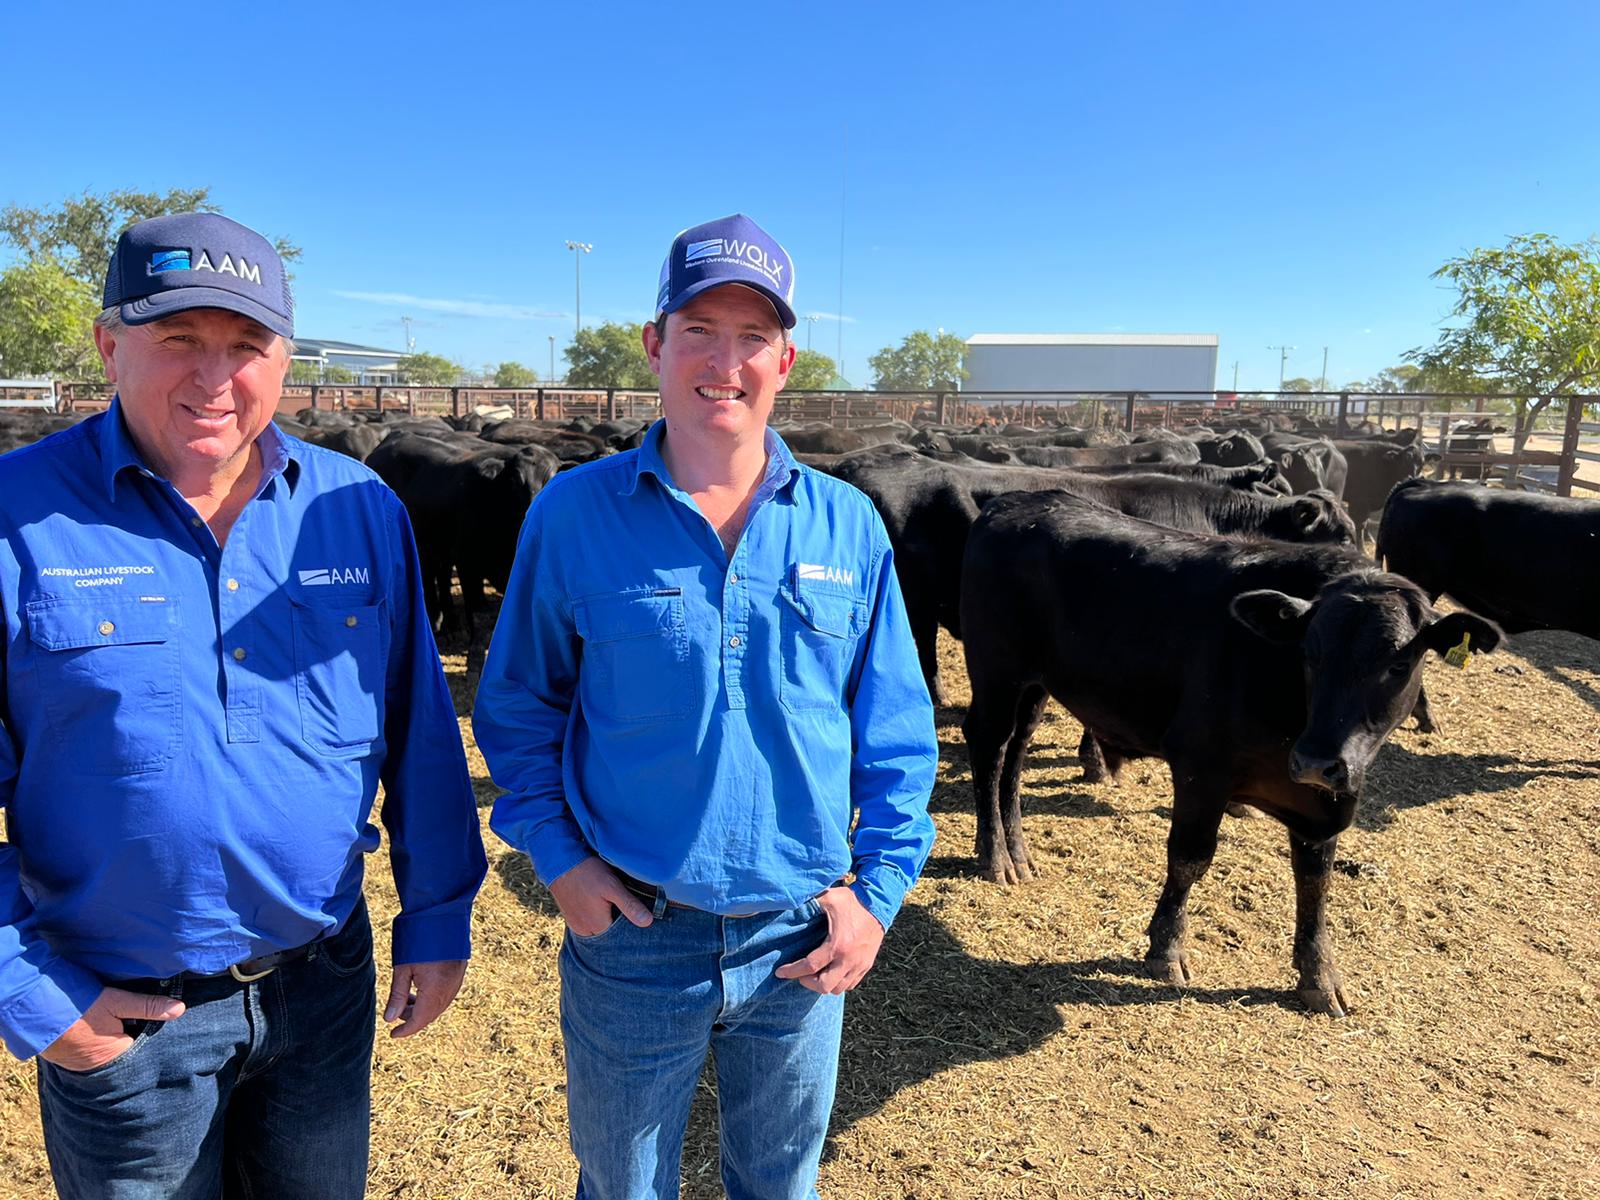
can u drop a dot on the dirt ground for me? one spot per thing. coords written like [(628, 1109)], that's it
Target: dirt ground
[(1009, 1045)]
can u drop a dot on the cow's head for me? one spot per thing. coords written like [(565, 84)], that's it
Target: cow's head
[(1302, 466), (1318, 516), (1363, 638)]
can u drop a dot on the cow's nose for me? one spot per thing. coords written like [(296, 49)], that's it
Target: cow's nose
[(1330, 773)]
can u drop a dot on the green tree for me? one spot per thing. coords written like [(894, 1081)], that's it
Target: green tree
[(1299, 385), (923, 362), (46, 322), (429, 370), (812, 371), (301, 371), (83, 231), (1527, 318), (609, 355), (515, 375)]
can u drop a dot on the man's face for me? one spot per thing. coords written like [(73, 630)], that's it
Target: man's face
[(722, 363), (197, 388)]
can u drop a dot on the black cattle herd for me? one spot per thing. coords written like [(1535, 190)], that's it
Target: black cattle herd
[(1199, 596)]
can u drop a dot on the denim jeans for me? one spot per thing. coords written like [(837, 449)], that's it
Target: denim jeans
[(257, 1090), (640, 1008)]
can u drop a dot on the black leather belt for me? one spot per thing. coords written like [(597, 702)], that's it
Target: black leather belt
[(252, 969)]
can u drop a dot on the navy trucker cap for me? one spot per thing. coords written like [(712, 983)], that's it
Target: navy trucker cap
[(198, 260), (728, 250)]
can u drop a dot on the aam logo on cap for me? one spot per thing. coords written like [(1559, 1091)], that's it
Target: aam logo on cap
[(167, 260)]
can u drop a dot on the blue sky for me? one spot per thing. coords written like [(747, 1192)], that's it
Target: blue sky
[(1268, 173)]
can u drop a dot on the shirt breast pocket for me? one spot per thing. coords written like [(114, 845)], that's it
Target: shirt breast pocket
[(109, 680), (819, 628), (635, 656), (340, 676)]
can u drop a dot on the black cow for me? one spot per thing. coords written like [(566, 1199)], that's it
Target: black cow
[(1374, 467), (1307, 463), (1157, 450), (466, 506), (1263, 673)]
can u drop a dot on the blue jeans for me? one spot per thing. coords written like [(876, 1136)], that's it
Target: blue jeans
[(640, 1008), (258, 1090)]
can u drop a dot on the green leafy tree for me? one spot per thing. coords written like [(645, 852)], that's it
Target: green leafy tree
[(923, 362), (1527, 318), (82, 232), (46, 322), (812, 371), (429, 370), (1299, 385), (301, 371), (515, 375), (609, 355)]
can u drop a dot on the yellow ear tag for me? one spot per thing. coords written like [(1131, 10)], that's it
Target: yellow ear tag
[(1459, 656)]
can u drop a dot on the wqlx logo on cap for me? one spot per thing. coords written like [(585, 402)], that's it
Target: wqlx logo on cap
[(730, 249), (167, 260)]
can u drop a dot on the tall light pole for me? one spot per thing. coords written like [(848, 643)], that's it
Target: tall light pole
[(1323, 385), (1236, 375), (579, 249), (1283, 361), (811, 323), (552, 358)]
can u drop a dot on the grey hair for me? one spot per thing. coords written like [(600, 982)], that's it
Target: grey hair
[(110, 319)]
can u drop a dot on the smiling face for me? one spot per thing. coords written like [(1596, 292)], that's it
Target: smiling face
[(721, 364), (197, 389)]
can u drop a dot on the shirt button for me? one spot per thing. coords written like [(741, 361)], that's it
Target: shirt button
[(233, 585), (733, 578), (196, 522), (350, 621), (734, 641), (238, 654), (106, 627)]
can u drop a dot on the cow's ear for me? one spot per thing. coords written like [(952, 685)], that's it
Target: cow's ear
[(1446, 632), (1405, 437), (1278, 618), (1307, 511)]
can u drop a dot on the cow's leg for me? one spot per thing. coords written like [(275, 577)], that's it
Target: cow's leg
[(1321, 986), (1030, 707), (988, 728), (1423, 713), (1191, 844), (1094, 762)]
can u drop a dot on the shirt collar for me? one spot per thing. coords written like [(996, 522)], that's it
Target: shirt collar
[(118, 454), (782, 469)]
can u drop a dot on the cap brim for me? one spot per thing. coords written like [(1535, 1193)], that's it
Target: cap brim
[(779, 304), (176, 300)]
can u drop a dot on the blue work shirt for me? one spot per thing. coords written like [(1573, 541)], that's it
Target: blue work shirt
[(191, 737), (712, 726)]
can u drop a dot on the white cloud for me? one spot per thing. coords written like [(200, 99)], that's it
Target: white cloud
[(825, 316), (456, 308)]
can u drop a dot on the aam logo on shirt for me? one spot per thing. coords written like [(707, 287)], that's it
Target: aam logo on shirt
[(825, 573), (327, 576)]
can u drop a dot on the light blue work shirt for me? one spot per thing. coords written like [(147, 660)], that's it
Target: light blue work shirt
[(192, 736), (740, 732)]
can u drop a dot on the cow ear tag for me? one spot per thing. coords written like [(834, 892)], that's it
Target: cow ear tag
[(1459, 655)]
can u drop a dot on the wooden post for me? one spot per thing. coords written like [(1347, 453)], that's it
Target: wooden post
[(1444, 443), (538, 404), (1569, 444), (1127, 419), (1342, 426), (455, 402), (315, 388), (611, 404), (939, 408)]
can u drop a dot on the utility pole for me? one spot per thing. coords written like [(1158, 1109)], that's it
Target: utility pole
[(1236, 375), (1283, 361), (411, 342), (552, 358), (1323, 385), (811, 324), (579, 249)]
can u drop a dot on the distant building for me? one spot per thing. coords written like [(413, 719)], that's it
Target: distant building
[(1154, 364), (366, 364)]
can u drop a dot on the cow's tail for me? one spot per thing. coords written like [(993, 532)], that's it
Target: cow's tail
[(1384, 523)]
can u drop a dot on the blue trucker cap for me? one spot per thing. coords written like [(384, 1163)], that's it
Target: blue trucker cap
[(728, 250), (167, 265)]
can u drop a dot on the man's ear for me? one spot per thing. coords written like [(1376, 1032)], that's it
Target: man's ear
[(652, 347), (1446, 632), (1277, 618), (106, 342), (789, 351)]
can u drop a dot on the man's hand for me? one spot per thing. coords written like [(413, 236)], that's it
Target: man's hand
[(420, 992), (97, 1037), (588, 892), (848, 952)]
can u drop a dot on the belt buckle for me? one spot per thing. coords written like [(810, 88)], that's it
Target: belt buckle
[(244, 978)]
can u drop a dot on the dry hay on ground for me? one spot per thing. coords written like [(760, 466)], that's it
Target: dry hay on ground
[(1008, 1044)]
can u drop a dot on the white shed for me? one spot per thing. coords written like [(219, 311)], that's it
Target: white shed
[(1155, 364)]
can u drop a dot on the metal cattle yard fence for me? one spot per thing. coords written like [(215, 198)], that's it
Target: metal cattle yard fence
[(1433, 415)]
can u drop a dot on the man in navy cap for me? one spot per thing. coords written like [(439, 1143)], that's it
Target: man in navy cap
[(703, 732), (215, 650)]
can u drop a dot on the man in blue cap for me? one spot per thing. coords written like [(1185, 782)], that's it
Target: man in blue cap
[(702, 731), (215, 650)]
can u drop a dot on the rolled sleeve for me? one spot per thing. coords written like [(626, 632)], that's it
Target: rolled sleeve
[(435, 841), (895, 757), (524, 705)]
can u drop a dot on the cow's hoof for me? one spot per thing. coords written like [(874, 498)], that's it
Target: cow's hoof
[(1427, 725), (1174, 969), (999, 869), (1322, 991), (1094, 773)]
